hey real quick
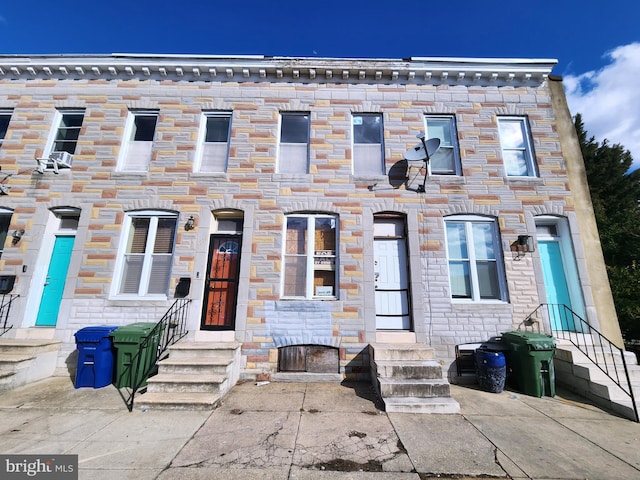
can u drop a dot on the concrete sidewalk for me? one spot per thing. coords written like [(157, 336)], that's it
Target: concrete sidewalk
[(325, 431)]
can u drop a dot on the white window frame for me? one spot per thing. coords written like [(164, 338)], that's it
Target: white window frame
[(127, 141), (365, 149), (451, 146), (313, 257), (57, 125), (145, 276), (298, 159), (526, 150), (5, 113), (203, 144), (468, 221)]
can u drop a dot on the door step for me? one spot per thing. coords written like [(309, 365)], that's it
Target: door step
[(409, 379), (24, 361), (195, 375), (575, 372)]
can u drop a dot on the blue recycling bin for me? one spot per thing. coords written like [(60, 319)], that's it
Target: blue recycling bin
[(491, 369), (95, 357)]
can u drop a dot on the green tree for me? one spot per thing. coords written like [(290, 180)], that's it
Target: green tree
[(615, 193)]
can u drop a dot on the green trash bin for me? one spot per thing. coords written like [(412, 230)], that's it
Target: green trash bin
[(530, 363), (131, 360)]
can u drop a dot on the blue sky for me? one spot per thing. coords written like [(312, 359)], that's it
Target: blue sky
[(587, 37)]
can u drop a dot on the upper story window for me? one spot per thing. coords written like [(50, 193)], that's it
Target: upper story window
[(475, 261), (368, 145), (63, 139), (446, 161), (137, 144), (67, 131), (5, 221), (310, 256), (517, 148), (214, 142), (5, 117), (146, 254), (294, 143)]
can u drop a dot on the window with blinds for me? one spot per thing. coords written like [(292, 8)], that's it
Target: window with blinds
[(146, 264)]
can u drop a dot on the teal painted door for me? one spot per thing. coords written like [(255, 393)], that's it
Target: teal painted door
[(555, 283), (54, 284)]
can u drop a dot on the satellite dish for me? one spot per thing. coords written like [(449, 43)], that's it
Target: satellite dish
[(418, 153)]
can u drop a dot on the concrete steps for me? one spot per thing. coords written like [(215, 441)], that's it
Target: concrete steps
[(410, 380), (24, 361), (195, 375), (576, 372)]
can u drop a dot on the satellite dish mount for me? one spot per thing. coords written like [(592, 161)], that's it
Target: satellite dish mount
[(422, 152)]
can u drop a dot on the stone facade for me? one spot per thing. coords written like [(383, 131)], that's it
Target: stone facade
[(256, 91)]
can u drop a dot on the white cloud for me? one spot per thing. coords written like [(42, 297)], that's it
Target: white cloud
[(609, 99)]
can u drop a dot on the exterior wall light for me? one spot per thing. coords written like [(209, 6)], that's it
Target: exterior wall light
[(190, 224), (522, 246), (17, 235)]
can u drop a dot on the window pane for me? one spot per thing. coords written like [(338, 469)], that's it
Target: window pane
[(440, 128), (511, 134), (159, 278), (4, 125), (483, 240), (294, 129), (515, 162), (324, 282), (296, 235), (325, 237), (488, 280), (295, 276), (293, 158), (217, 128), (214, 157), (144, 128), (138, 235), (460, 279), (68, 132), (5, 221), (131, 274), (367, 129), (456, 240), (367, 159), (443, 161), (165, 235)]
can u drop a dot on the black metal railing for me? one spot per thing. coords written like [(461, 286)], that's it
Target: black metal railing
[(5, 307), (563, 323), (153, 348)]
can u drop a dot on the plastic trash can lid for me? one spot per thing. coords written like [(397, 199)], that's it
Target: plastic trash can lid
[(133, 332), (535, 341), (93, 333)]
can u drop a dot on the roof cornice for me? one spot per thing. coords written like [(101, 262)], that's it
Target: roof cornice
[(416, 70)]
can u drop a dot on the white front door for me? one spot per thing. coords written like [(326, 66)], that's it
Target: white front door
[(392, 288)]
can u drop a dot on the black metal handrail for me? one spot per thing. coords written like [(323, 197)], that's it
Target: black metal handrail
[(169, 330), (601, 351), (5, 308)]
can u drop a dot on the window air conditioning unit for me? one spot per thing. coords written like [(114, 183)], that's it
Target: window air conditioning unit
[(61, 159)]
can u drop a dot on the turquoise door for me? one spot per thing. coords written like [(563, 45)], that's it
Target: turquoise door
[(555, 283), (54, 284)]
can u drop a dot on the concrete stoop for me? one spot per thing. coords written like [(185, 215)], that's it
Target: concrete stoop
[(195, 376), (575, 372), (24, 361), (409, 379)]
